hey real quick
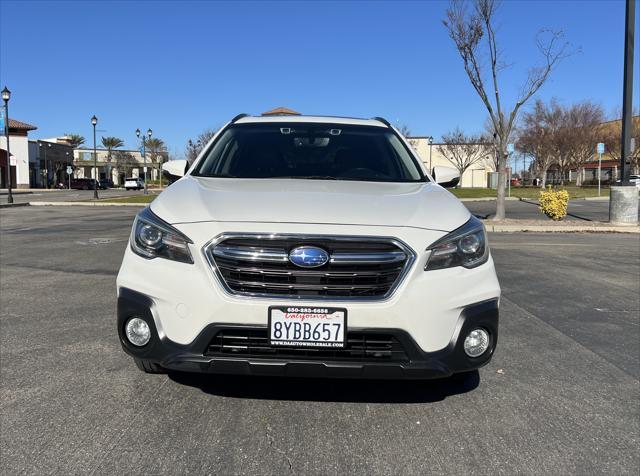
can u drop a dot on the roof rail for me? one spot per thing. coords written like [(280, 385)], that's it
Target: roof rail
[(383, 120), (238, 117)]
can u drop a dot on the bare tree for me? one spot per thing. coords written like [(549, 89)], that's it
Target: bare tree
[(194, 147), (463, 150), (582, 121), (533, 140), (405, 130), (122, 162), (468, 30), (406, 133), (564, 136), (611, 134)]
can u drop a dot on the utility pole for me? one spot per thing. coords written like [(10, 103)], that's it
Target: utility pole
[(623, 204)]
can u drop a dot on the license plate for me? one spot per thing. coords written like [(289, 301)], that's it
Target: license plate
[(307, 326)]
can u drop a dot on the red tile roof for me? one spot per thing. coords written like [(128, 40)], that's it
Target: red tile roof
[(19, 125), (281, 111)]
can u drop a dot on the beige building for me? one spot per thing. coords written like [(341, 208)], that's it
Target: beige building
[(121, 164), (476, 176)]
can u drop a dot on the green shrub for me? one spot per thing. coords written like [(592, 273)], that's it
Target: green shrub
[(553, 203)]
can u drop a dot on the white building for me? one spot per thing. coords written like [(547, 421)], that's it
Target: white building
[(476, 176), (22, 175)]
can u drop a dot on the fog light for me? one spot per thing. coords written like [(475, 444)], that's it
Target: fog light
[(138, 331), (476, 343)]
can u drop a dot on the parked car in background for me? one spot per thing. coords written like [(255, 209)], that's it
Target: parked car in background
[(633, 179), (309, 246), (105, 184), (133, 183), (83, 183)]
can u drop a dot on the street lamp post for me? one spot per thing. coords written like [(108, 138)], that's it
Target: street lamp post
[(430, 139), (94, 121), (6, 95), (144, 157)]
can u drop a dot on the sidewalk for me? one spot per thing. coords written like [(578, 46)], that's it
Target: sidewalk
[(550, 226), (24, 191)]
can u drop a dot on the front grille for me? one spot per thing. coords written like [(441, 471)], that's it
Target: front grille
[(358, 268), (360, 346)]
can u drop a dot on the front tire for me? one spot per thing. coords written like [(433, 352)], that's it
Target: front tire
[(148, 367)]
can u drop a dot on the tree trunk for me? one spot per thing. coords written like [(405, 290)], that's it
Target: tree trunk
[(461, 172), (502, 183), (543, 180)]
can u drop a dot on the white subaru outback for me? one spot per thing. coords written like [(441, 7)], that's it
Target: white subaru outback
[(308, 246)]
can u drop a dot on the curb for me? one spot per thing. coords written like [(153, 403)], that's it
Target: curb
[(602, 199), (486, 199), (561, 229), (11, 205), (86, 204), (479, 199)]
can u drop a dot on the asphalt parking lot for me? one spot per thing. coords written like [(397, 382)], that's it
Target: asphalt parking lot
[(560, 396)]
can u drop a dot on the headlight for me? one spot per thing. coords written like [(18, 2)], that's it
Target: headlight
[(152, 238), (467, 246)]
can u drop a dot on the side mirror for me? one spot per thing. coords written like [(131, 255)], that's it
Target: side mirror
[(447, 177), (177, 168)]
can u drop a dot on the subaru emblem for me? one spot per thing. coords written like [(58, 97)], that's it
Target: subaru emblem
[(308, 256)]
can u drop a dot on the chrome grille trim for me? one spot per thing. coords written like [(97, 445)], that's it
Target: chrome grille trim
[(258, 254), (252, 257), (368, 258)]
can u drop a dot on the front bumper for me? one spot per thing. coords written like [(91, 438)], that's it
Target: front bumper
[(417, 365)]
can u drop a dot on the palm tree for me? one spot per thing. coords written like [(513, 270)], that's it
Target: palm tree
[(111, 143), (156, 149), (75, 140)]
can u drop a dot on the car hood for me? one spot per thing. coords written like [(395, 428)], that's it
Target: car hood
[(420, 205)]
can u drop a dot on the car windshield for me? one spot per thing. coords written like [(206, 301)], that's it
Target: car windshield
[(310, 151)]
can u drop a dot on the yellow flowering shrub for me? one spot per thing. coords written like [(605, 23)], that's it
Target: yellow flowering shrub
[(553, 203)]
